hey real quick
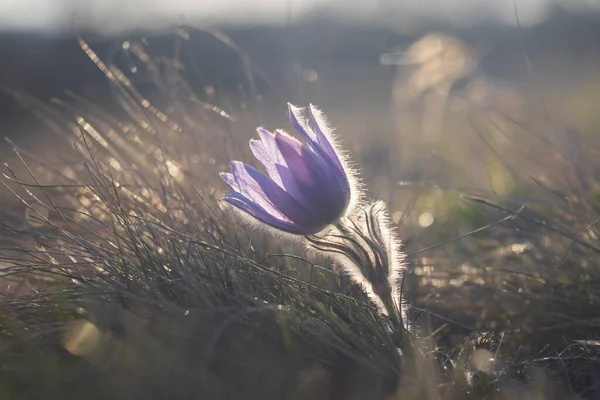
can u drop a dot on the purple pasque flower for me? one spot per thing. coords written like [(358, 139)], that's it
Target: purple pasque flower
[(307, 188)]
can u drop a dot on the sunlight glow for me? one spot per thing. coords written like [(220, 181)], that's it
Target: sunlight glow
[(111, 16)]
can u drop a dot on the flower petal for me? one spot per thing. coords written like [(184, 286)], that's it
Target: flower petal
[(243, 203), (312, 175), (267, 194), (302, 170), (320, 137), (317, 141), (315, 138), (252, 191), (265, 150), (268, 153), (300, 125)]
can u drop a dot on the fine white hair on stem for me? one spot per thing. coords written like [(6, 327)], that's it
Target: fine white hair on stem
[(369, 252), (356, 275), (396, 259)]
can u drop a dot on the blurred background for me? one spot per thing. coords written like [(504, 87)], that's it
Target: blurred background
[(436, 99), (410, 85)]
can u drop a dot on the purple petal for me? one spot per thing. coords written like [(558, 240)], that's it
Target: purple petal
[(267, 152), (263, 191), (299, 123), (243, 203), (318, 142), (291, 150), (321, 139), (312, 175), (250, 189)]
